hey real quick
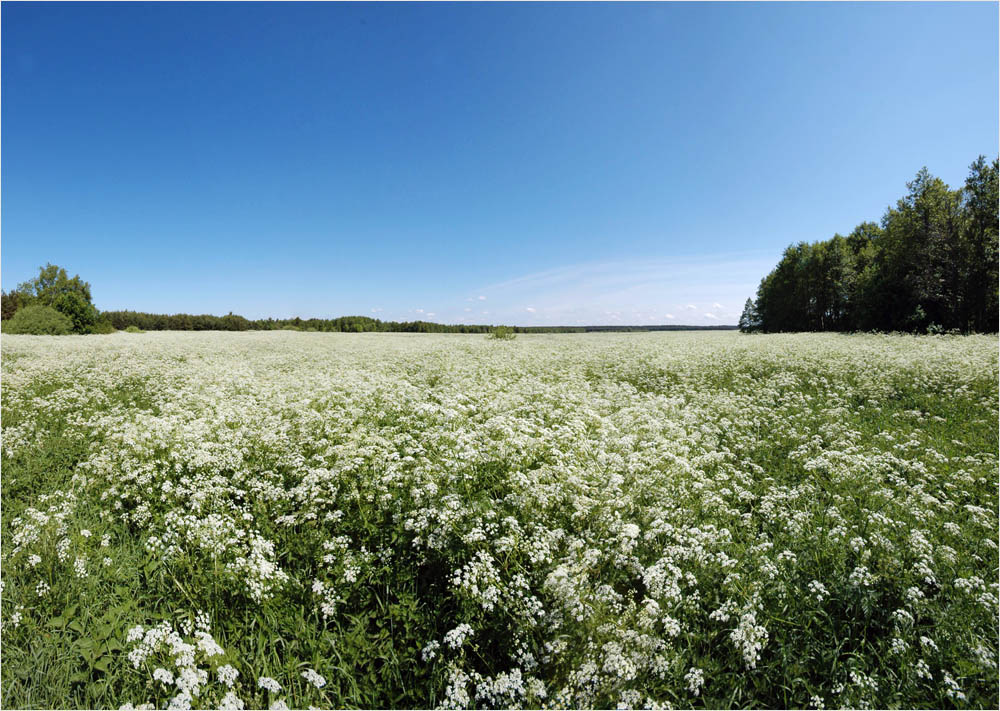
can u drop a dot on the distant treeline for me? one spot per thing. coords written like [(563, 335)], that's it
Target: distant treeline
[(929, 266), (345, 324)]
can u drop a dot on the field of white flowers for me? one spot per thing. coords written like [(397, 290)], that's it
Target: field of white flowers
[(271, 520)]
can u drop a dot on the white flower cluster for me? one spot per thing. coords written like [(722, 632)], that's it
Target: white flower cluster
[(314, 678), (269, 684), (590, 511), (749, 638), (191, 661), (695, 679), (456, 638)]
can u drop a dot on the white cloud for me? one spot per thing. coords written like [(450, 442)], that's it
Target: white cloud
[(711, 316), (668, 315), (530, 309), (376, 310), (430, 313), (481, 297), (419, 311), (631, 291), (467, 310)]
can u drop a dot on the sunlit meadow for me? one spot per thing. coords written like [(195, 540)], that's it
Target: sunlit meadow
[(271, 520)]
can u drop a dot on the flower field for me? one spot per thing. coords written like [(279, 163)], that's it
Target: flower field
[(271, 520)]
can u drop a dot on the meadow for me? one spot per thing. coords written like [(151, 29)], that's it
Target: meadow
[(292, 520)]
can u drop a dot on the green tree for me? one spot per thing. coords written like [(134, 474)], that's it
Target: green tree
[(749, 320), (82, 313), (71, 297), (923, 255), (932, 264), (980, 201), (10, 302)]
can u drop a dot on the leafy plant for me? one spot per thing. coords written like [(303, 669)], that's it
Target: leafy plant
[(39, 320), (502, 333)]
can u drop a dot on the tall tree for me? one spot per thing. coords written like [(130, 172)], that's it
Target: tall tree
[(923, 253), (980, 201), (749, 321)]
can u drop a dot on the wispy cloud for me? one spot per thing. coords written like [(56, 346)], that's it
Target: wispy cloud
[(634, 291)]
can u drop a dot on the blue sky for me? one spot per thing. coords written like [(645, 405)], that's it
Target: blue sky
[(523, 163)]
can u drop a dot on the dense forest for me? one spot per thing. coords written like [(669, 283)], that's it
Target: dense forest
[(348, 324), (42, 302), (929, 266)]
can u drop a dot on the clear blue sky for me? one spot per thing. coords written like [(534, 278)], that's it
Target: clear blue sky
[(523, 163)]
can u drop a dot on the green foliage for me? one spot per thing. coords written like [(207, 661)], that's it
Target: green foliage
[(39, 320), (103, 326), (749, 320), (348, 324), (133, 329), (502, 333), (931, 266), (71, 297), (82, 313), (10, 302), (51, 283)]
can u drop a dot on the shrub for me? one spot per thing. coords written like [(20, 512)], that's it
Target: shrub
[(40, 321), (102, 326), (134, 329), (502, 333)]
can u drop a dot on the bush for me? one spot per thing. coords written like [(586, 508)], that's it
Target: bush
[(102, 326), (502, 333), (134, 329), (40, 321)]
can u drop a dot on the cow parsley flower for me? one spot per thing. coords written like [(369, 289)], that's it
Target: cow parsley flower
[(266, 682), (227, 674), (695, 679), (456, 637), (314, 678)]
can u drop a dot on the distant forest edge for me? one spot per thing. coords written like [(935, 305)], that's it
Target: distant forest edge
[(54, 304), (347, 324), (930, 266)]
